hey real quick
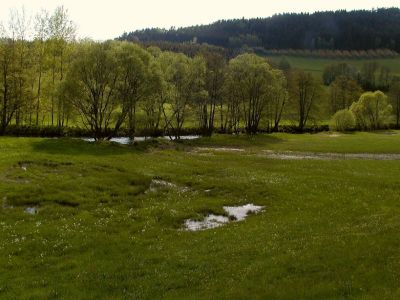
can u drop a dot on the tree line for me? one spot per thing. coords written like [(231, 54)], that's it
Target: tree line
[(34, 58), (51, 79), (334, 30), (357, 98)]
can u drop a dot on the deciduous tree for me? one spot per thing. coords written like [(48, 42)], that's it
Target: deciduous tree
[(252, 79), (305, 91), (343, 92), (91, 86), (395, 101)]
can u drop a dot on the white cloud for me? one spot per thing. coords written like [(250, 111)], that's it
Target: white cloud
[(108, 19)]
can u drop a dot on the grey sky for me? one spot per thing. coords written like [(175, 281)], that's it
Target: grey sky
[(107, 19)]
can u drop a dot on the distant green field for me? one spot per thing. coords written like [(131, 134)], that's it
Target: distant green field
[(317, 65)]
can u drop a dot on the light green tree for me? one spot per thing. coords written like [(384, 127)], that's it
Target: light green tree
[(91, 87), (9, 103), (252, 81), (371, 110), (61, 33), (19, 25), (184, 79), (136, 83), (214, 81), (153, 103), (39, 56), (15, 68)]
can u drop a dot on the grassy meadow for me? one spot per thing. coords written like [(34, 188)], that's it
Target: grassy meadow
[(329, 230)]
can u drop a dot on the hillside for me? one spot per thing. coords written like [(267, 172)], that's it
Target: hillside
[(338, 30)]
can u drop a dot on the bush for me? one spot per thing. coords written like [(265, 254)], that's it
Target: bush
[(342, 120)]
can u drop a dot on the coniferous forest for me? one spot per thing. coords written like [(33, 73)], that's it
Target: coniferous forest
[(339, 30)]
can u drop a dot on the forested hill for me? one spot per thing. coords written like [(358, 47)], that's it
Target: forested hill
[(339, 30)]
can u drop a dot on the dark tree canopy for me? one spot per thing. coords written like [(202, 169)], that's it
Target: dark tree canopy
[(339, 30)]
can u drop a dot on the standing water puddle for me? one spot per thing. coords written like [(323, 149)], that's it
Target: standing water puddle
[(31, 210), (236, 213), (211, 221)]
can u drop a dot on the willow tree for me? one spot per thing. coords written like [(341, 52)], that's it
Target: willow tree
[(91, 86), (9, 103), (185, 79), (252, 79), (138, 80), (19, 34), (13, 69), (214, 81), (61, 32), (39, 49), (371, 110), (154, 102)]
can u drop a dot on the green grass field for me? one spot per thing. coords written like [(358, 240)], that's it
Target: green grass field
[(330, 228), (317, 65)]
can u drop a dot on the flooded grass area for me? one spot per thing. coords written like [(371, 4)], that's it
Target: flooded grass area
[(235, 213), (105, 220)]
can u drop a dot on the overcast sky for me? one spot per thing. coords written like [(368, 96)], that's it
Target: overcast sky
[(104, 19)]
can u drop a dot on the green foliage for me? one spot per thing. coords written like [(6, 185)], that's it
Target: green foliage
[(184, 85), (91, 86), (113, 87), (331, 72), (250, 78), (372, 110), (343, 120), (343, 91), (372, 75), (214, 81), (394, 94), (139, 79), (305, 93)]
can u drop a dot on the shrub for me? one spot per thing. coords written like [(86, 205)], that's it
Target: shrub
[(342, 120)]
